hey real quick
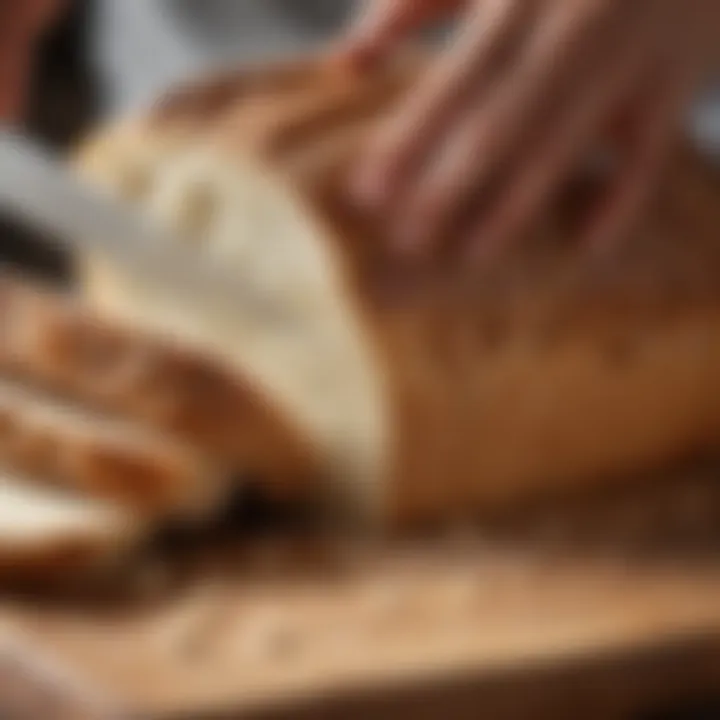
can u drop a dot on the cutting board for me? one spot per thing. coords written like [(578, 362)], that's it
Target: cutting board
[(606, 610)]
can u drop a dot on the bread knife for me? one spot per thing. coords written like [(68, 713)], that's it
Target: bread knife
[(39, 189)]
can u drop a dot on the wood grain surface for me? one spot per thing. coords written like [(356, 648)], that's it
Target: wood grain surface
[(607, 609)]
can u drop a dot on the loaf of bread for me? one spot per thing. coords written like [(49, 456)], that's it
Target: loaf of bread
[(437, 397)]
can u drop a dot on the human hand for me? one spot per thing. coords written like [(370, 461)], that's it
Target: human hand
[(22, 24), (512, 110)]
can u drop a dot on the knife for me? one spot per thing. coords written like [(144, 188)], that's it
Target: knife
[(38, 189)]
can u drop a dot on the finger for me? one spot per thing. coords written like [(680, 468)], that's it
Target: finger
[(553, 159), (384, 23), (497, 129), (403, 144), (651, 140)]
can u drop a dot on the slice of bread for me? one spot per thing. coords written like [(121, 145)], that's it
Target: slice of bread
[(173, 391), (45, 533), (53, 442), (445, 395)]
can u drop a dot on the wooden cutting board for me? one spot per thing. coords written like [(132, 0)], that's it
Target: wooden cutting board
[(605, 611)]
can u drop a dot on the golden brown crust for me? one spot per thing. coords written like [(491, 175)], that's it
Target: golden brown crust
[(50, 340), (206, 100), (60, 562)]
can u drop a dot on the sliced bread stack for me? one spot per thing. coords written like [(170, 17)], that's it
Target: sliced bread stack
[(107, 434)]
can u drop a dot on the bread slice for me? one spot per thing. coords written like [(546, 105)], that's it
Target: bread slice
[(53, 442), (45, 533), (179, 404), (442, 396)]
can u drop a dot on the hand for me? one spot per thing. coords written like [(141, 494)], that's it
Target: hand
[(22, 24), (478, 151)]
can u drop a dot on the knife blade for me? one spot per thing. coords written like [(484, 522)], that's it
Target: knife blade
[(38, 188)]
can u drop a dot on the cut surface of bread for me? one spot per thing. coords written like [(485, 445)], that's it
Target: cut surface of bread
[(44, 532), (54, 442), (445, 395), (169, 391)]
